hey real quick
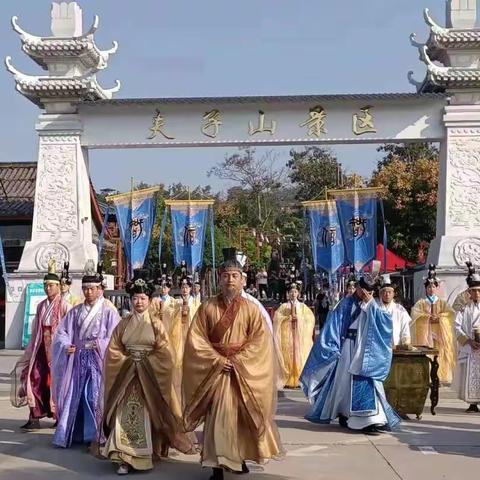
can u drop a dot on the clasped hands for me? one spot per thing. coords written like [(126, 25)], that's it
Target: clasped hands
[(228, 367)]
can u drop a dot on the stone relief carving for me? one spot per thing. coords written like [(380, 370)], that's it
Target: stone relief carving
[(467, 250), (56, 196), (47, 251), (464, 185)]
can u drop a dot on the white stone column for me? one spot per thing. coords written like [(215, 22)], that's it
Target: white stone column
[(458, 210), (62, 224)]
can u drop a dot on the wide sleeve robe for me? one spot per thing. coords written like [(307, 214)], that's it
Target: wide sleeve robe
[(237, 407)]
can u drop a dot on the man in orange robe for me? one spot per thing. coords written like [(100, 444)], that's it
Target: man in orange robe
[(229, 379)]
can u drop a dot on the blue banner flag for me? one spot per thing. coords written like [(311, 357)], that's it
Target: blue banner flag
[(136, 216), (325, 235), (189, 222), (357, 211)]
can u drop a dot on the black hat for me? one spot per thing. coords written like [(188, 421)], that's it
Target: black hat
[(51, 276), (65, 277), (92, 277), (473, 278), (230, 261), (140, 283), (186, 281), (367, 283), (351, 280), (432, 276)]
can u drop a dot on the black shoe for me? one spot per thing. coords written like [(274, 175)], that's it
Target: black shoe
[(217, 474), (343, 421), (244, 469), (371, 430), (473, 408), (32, 424)]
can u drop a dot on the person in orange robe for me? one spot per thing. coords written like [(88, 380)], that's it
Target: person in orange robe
[(229, 379)]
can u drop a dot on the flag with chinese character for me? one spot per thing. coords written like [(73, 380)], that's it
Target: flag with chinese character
[(357, 211), (135, 216), (189, 224), (325, 235)]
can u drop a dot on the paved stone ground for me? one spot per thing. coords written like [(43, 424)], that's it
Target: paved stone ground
[(445, 446)]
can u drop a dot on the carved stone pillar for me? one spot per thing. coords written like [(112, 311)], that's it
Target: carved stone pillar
[(62, 226), (458, 212)]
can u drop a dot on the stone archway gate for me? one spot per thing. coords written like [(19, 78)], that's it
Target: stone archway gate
[(79, 115)]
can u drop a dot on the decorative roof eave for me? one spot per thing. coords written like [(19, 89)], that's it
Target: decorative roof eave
[(82, 47), (39, 88), (453, 38)]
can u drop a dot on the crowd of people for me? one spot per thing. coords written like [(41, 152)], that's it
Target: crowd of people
[(132, 388)]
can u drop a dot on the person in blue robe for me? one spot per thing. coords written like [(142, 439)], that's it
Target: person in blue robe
[(344, 373)]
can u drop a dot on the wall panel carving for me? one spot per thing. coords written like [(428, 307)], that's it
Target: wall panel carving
[(464, 185), (56, 196)]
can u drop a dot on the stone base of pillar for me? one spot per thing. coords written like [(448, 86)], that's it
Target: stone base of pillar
[(36, 255)]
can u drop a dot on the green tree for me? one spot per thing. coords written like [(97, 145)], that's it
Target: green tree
[(313, 171), (409, 175), (258, 177)]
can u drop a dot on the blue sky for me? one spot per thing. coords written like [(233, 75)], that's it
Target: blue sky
[(219, 47)]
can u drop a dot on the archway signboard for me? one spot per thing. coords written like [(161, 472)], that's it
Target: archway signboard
[(78, 115)]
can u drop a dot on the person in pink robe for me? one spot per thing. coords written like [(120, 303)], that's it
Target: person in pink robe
[(34, 367)]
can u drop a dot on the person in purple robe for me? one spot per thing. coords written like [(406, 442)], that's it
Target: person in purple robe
[(32, 375), (79, 347)]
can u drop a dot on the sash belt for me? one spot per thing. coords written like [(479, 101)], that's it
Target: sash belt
[(228, 349)]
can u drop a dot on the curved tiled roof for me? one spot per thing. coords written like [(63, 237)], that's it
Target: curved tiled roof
[(17, 189)]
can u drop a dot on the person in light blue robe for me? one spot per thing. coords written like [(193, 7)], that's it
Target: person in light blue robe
[(344, 373)]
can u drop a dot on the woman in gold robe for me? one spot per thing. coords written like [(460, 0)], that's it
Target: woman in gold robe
[(229, 379), (433, 326), (293, 325), (142, 416)]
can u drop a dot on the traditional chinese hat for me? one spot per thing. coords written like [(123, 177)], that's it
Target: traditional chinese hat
[(162, 279), (295, 286), (473, 278), (230, 261), (432, 276), (351, 281), (186, 281), (92, 277), (368, 283), (386, 282), (65, 278), (51, 276), (140, 283)]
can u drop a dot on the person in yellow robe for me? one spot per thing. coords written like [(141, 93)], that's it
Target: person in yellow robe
[(142, 416), (293, 326), (433, 326), (196, 297), (229, 379), (65, 284)]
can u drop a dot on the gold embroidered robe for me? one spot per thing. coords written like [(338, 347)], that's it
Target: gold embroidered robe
[(439, 335), (236, 407), (295, 338), (142, 415)]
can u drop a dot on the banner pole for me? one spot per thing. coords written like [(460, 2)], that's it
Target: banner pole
[(102, 233), (212, 239), (385, 239), (162, 231), (130, 266)]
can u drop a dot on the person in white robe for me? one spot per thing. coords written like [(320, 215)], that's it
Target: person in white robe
[(467, 332), (400, 317)]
